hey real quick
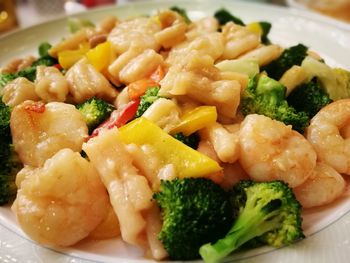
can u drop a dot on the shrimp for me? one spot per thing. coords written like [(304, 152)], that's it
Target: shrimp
[(50, 84), (57, 209), (108, 228), (17, 91), (86, 82), (224, 142), (270, 150), (137, 32), (129, 192), (322, 187), (39, 130), (327, 134)]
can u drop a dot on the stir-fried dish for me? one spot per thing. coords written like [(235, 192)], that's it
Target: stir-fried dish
[(189, 139)]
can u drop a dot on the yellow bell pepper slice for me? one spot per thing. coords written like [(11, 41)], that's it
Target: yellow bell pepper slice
[(187, 161), (195, 120), (255, 27), (68, 58), (101, 56)]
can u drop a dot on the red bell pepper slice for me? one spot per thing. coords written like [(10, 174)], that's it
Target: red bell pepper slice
[(118, 118)]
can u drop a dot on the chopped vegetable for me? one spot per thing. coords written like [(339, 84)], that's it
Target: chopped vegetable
[(147, 99), (138, 88), (223, 16), (195, 120), (267, 211), (101, 56), (30, 72), (289, 57), (95, 111), (191, 140), (6, 78), (75, 24), (262, 28), (187, 162), (118, 118), (68, 58), (266, 96), (244, 66), (194, 211), (336, 82), (182, 12), (309, 98), (9, 162)]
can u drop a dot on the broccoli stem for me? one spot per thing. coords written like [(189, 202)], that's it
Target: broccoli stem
[(256, 219)]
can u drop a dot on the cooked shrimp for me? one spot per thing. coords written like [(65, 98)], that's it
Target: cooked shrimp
[(327, 135), (50, 84), (233, 173), (86, 82), (201, 27), (141, 66), (108, 228), (173, 29), (224, 142), (322, 187), (207, 148), (137, 32), (17, 91), (238, 40), (270, 150), (62, 202), (39, 130), (128, 190)]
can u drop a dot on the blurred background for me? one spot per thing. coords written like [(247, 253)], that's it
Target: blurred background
[(23, 13)]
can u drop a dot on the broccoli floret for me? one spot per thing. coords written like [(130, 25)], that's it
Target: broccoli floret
[(267, 211), (30, 72), (289, 57), (335, 81), (43, 49), (6, 78), (266, 96), (195, 211), (223, 16), (95, 111), (75, 24), (150, 96), (309, 98), (191, 140), (266, 27), (45, 59), (9, 163), (182, 12)]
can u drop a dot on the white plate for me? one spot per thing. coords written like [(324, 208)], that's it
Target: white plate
[(328, 229)]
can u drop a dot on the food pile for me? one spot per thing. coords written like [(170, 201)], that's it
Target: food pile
[(189, 139)]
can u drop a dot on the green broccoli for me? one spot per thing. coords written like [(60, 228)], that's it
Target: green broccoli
[(45, 59), (9, 162), (181, 12), (147, 100), (289, 57), (75, 24), (223, 16), (195, 211), (266, 96), (267, 211), (191, 140), (335, 81), (266, 27), (309, 98), (95, 111), (30, 72), (6, 78)]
